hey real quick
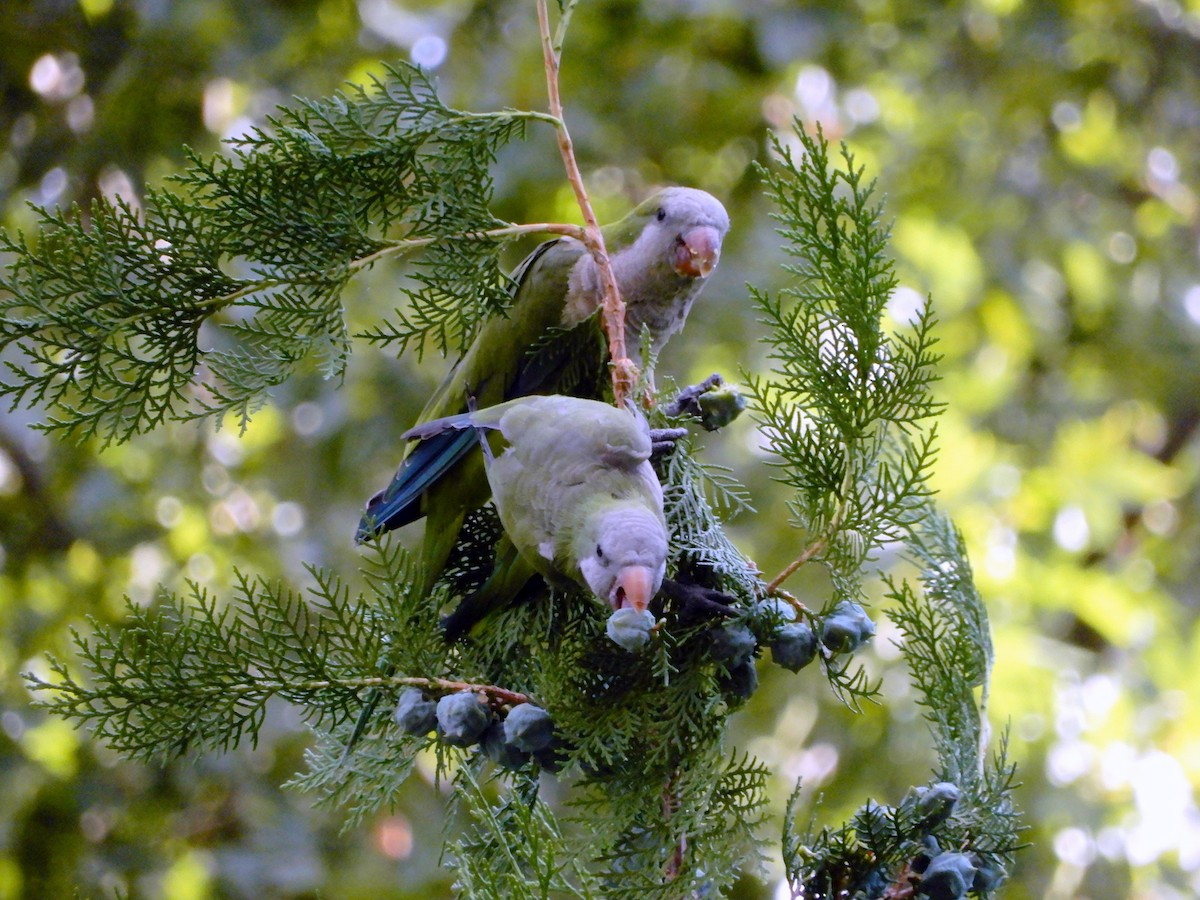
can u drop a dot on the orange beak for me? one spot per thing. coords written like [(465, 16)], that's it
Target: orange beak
[(697, 252), (633, 590)]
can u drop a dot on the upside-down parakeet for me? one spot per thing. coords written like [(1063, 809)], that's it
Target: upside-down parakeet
[(578, 499)]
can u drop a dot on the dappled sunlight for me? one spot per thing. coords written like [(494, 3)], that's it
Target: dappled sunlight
[(1038, 171)]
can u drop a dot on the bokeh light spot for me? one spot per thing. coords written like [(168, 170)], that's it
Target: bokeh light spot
[(1071, 531), (428, 51)]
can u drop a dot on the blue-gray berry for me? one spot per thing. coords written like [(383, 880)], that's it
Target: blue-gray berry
[(630, 628), (846, 628), (415, 714), (732, 642), (740, 680), (947, 877), (529, 728), (550, 758), (719, 407), (929, 850), (936, 802), (988, 875), (462, 717), (768, 616), (794, 646), (499, 750), (876, 883)]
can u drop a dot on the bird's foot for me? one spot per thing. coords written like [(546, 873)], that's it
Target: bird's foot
[(711, 401), (662, 440), (688, 399), (696, 603), (624, 378)]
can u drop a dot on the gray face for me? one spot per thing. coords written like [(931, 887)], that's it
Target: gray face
[(624, 539), (676, 241), (663, 271), (683, 231), (685, 208)]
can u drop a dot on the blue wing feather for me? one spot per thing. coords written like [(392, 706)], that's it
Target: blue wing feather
[(400, 503), (437, 454)]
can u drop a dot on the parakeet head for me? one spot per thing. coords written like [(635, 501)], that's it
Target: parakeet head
[(622, 554), (688, 224)]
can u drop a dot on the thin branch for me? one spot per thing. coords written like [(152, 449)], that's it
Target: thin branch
[(497, 695), (624, 372), (399, 247), (792, 600), (564, 20), (813, 549), (392, 248), (532, 115), (818, 546)]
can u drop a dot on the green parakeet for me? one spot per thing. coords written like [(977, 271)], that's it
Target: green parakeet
[(578, 499), (551, 343)]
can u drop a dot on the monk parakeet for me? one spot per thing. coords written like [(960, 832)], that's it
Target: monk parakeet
[(578, 499), (550, 342)]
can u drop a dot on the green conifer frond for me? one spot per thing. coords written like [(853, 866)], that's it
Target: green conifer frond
[(191, 675), (697, 498), (248, 259), (105, 306), (691, 837), (948, 644), (514, 847), (846, 401), (844, 404), (846, 411), (947, 647), (364, 782)]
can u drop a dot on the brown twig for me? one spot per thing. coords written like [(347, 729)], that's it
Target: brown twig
[(904, 887), (497, 696), (792, 600), (808, 553), (624, 372), (670, 803), (818, 546)]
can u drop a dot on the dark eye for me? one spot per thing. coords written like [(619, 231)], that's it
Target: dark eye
[(661, 214), (599, 552)]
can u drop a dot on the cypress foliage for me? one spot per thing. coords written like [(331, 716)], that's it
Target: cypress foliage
[(255, 247)]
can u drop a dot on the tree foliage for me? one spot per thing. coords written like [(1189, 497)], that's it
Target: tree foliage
[(659, 806), (1040, 185), (108, 308)]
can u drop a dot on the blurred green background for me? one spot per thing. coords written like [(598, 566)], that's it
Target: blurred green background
[(1041, 162)]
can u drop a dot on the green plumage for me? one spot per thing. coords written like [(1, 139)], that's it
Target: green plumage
[(551, 342), (576, 494)]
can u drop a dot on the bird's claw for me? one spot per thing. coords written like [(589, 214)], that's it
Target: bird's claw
[(662, 440), (688, 399), (711, 402), (695, 603), (624, 378)]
